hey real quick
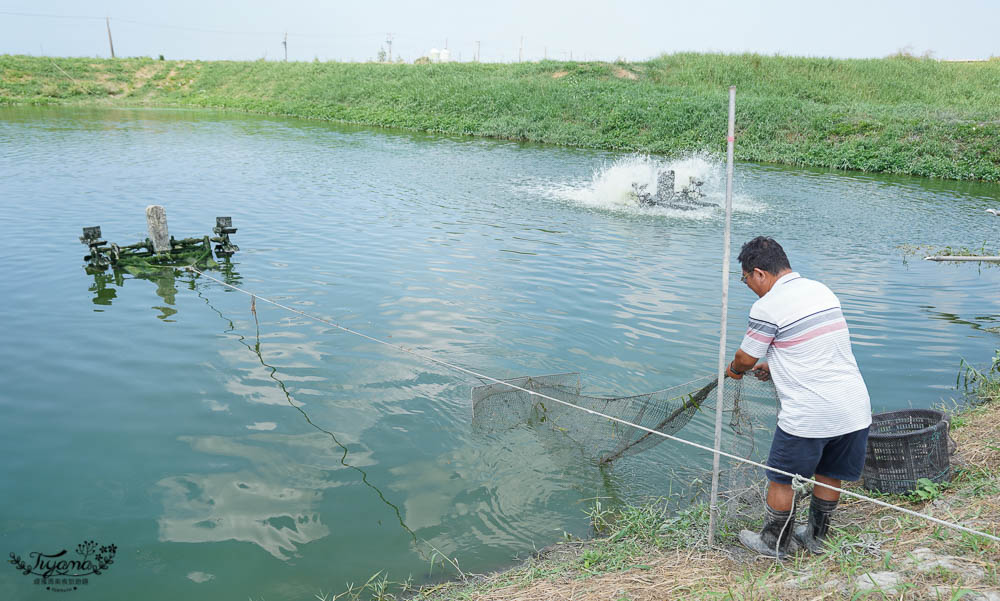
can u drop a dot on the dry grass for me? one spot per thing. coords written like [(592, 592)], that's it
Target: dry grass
[(621, 73), (669, 576), (145, 73)]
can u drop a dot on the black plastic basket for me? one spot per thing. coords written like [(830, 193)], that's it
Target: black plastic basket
[(905, 446)]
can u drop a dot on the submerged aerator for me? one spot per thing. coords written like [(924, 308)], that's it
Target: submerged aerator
[(160, 249)]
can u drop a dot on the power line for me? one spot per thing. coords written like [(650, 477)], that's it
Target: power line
[(18, 14)]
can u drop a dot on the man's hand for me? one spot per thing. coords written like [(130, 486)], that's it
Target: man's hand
[(732, 374), (762, 371)]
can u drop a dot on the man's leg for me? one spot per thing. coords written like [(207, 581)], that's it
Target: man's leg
[(791, 454), (843, 458), (780, 496), (824, 501), (821, 492)]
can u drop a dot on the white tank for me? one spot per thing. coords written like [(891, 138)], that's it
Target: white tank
[(434, 55), (446, 56)]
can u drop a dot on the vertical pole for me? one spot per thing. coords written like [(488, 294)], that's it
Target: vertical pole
[(730, 139), (285, 44), (477, 51), (107, 21), (388, 41)]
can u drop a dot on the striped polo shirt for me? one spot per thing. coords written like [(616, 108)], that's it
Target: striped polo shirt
[(800, 331)]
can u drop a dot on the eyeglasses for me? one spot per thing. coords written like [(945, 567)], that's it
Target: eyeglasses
[(744, 277)]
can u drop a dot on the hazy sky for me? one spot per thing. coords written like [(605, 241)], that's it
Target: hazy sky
[(590, 30)]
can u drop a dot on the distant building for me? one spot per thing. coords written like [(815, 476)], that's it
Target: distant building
[(439, 56)]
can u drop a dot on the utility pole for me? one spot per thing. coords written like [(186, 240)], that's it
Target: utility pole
[(285, 44), (388, 42), (476, 59), (520, 50), (107, 21)]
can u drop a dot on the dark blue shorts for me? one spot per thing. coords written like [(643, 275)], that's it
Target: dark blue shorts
[(839, 457)]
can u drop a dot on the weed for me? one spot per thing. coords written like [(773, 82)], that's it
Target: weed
[(948, 251), (377, 588), (957, 594), (439, 558), (978, 481), (926, 490), (985, 384)]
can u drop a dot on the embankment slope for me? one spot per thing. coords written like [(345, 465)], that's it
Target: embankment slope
[(896, 115)]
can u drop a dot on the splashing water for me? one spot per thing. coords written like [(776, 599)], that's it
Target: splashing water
[(611, 186)]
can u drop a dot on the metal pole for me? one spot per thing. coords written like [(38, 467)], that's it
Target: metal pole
[(714, 502)]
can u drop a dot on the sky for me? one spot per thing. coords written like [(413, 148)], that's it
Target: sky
[(501, 31)]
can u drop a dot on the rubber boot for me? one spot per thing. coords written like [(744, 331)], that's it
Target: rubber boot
[(777, 525), (812, 534)]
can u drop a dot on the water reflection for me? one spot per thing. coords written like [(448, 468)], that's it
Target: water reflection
[(103, 293), (985, 323), (106, 284), (276, 505)]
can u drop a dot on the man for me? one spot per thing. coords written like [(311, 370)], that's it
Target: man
[(797, 327)]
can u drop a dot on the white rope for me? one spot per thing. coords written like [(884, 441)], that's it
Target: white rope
[(598, 413)]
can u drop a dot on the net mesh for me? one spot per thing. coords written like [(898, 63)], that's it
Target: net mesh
[(749, 417)]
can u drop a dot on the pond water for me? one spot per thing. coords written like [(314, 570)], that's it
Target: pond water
[(278, 458)]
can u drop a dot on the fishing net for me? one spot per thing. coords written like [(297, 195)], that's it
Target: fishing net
[(749, 417), (749, 406)]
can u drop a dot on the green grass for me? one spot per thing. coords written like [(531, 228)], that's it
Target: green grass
[(982, 383), (894, 115)]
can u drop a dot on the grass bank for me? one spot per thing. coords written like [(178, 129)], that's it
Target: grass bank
[(895, 115), (874, 553)]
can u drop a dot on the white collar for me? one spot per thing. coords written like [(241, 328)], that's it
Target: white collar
[(786, 278)]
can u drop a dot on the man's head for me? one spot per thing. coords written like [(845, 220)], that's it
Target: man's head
[(763, 262)]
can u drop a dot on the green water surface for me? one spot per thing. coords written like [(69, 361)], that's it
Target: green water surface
[(234, 456)]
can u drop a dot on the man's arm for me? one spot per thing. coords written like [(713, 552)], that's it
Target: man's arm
[(760, 334), (740, 364)]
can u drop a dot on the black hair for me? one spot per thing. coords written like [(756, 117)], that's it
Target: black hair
[(763, 253)]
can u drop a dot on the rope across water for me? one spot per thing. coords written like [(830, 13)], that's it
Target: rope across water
[(458, 368)]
